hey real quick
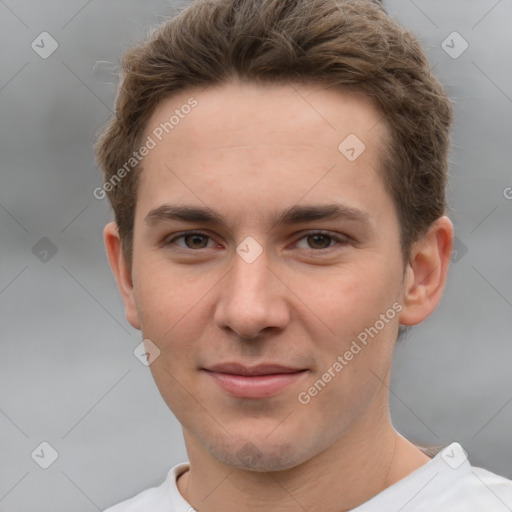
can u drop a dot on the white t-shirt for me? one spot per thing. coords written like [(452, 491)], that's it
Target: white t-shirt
[(447, 483)]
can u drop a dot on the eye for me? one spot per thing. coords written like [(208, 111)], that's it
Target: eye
[(191, 240), (319, 240), (315, 241)]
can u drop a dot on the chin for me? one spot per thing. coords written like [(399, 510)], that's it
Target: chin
[(264, 457)]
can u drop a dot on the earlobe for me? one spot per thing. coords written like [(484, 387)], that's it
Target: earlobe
[(426, 272), (122, 272)]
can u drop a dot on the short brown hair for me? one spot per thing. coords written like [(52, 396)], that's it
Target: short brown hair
[(347, 44)]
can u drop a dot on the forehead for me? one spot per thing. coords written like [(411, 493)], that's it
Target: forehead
[(225, 115), (277, 140)]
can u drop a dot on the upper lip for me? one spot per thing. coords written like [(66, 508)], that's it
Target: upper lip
[(260, 369)]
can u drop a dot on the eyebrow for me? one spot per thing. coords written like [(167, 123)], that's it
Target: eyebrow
[(293, 215)]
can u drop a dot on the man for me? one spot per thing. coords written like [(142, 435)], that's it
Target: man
[(277, 172)]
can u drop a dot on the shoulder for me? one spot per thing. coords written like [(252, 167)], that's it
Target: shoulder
[(447, 483), (483, 490), (457, 486), (164, 498)]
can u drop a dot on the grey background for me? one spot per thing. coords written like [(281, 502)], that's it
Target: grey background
[(68, 375)]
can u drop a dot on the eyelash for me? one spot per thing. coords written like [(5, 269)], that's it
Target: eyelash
[(339, 239)]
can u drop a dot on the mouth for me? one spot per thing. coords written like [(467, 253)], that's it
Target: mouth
[(261, 381)]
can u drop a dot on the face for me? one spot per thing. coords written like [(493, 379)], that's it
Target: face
[(264, 253)]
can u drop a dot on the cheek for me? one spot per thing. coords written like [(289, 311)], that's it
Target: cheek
[(169, 305), (351, 298)]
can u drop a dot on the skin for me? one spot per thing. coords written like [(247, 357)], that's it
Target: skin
[(249, 152)]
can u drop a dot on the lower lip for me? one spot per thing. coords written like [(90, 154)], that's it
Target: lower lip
[(255, 386)]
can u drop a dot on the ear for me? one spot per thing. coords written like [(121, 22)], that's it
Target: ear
[(122, 272), (426, 272)]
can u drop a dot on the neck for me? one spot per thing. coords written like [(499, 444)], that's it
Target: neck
[(364, 462)]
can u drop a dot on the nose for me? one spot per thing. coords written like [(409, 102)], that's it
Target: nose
[(252, 299)]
